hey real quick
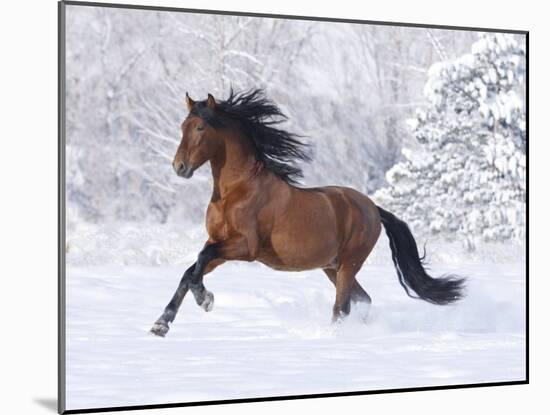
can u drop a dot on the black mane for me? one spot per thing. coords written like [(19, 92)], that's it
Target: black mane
[(259, 117)]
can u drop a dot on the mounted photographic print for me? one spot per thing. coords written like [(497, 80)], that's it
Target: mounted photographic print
[(259, 207)]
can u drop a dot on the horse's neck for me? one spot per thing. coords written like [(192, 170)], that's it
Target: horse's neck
[(233, 169)]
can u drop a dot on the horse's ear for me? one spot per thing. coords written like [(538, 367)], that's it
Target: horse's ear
[(211, 102), (189, 102)]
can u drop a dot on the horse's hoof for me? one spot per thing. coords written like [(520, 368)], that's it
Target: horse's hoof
[(160, 329), (208, 303)]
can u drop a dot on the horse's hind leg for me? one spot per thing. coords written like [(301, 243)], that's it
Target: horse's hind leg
[(331, 274), (357, 295), (345, 280)]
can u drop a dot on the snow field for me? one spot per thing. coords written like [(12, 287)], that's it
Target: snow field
[(269, 334)]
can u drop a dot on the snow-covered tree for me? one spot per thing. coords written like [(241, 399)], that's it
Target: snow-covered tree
[(466, 177)]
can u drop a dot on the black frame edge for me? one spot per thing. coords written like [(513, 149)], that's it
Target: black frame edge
[(527, 208), (61, 301), (292, 397)]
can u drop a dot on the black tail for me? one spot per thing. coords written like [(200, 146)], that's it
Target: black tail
[(410, 271)]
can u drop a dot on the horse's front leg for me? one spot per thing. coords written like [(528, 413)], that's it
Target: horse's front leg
[(204, 264), (212, 255), (203, 297), (190, 281), (160, 328)]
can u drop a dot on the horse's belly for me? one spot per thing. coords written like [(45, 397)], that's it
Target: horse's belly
[(292, 251), (292, 263)]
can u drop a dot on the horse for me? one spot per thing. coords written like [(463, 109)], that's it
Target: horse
[(258, 212)]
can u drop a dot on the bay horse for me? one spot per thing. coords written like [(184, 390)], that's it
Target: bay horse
[(258, 213)]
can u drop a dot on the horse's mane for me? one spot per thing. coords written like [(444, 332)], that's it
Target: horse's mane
[(259, 117)]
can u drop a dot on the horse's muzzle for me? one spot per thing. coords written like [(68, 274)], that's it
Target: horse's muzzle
[(183, 170)]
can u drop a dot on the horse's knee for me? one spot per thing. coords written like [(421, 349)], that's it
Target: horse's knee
[(188, 275), (198, 291)]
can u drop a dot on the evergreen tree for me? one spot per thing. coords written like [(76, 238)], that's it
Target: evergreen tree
[(466, 178)]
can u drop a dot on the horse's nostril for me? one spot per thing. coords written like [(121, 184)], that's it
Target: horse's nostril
[(181, 169)]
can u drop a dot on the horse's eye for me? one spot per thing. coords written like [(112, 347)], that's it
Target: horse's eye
[(200, 127)]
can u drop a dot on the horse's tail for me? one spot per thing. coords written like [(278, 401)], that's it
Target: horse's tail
[(408, 264)]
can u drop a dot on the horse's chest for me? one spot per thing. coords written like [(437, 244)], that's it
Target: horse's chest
[(220, 220)]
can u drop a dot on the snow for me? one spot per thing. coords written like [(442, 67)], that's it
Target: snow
[(269, 334), (119, 243)]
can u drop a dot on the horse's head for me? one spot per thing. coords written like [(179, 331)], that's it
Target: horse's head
[(199, 141)]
